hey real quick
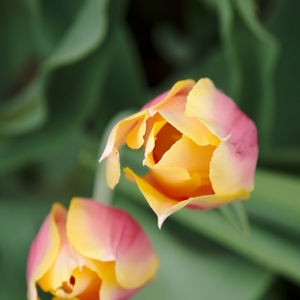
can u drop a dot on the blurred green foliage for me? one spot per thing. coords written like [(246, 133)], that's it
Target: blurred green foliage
[(67, 67)]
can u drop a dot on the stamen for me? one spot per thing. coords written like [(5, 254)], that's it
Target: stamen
[(68, 286)]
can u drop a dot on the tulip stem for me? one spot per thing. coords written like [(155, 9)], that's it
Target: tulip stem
[(101, 191)]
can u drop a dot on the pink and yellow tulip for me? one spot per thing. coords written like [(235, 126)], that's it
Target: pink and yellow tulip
[(91, 252), (199, 147)]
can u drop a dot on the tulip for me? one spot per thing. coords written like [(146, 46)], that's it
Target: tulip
[(91, 252), (199, 147)]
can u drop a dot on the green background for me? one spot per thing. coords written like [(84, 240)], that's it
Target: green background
[(68, 67)]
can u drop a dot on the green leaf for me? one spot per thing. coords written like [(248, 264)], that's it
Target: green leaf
[(236, 214), (172, 45), (19, 223), (275, 200), (28, 110), (269, 249), (226, 20), (267, 49), (40, 35), (25, 112), (17, 51), (281, 157), (125, 73), (79, 100), (284, 23), (84, 35)]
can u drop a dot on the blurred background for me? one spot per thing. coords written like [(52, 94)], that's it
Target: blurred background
[(68, 67)]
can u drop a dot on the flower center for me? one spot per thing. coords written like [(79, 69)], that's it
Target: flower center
[(68, 286), (166, 137), (83, 284)]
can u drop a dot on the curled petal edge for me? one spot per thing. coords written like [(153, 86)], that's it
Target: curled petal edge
[(164, 206), (43, 250)]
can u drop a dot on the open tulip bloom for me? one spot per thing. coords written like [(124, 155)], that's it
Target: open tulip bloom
[(200, 149), (91, 252)]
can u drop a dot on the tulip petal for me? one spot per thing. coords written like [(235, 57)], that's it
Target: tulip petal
[(104, 269), (122, 129), (112, 169), (59, 298), (175, 182), (66, 260), (189, 126), (150, 141), (172, 109), (117, 137), (110, 234), (205, 202), (233, 163), (135, 138), (112, 291), (119, 132), (87, 285), (43, 250), (155, 100), (159, 202), (132, 131), (166, 137), (230, 170), (180, 87), (164, 206), (188, 155)]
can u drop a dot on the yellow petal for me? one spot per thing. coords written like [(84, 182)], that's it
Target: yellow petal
[(113, 291), (164, 206), (175, 182), (173, 109), (117, 138), (188, 155), (109, 234), (234, 161), (212, 201), (159, 202), (150, 142), (66, 261), (201, 103), (104, 269), (119, 133), (113, 172), (166, 137), (135, 138), (229, 172), (43, 250), (191, 127), (182, 87)]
